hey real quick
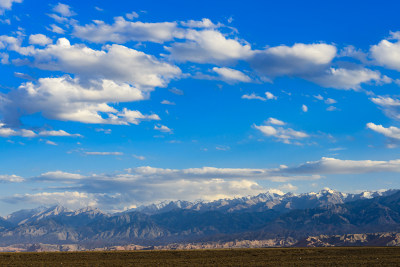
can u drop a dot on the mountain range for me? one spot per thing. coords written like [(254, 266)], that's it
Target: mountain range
[(285, 218)]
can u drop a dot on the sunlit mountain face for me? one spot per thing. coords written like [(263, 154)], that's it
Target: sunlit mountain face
[(229, 107)]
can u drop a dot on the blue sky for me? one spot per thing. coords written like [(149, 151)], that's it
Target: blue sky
[(122, 103)]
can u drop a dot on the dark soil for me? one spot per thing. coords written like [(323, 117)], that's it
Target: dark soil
[(350, 256)]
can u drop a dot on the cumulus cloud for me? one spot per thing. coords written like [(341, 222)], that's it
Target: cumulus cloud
[(56, 29), (132, 15), (162, 128), (204, 23), (330, 101), (148, 184), (312, 62), (139, 157), (48, 142), (68, 199), (288, 187), (282, 134), (118, 74), (274, 121), (269, 95), (347, 79), (117, 63), (319, 97), (337, 166), (389, 105), (167, 102), (64, 10), (299, 59), (304, 108), (391, 132), (11, 179), (231, 76), (208, 46), (66, 99), (122, 31), (253, 96), (7, 4), (58, 175), (39, 39), (58, 133), (7, 132), (387, 53)]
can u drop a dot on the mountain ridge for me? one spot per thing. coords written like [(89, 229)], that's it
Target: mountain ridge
[(261, 217)]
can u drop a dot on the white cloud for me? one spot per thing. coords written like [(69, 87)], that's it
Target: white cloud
[(231, 75), (148, 184), (391, 132), (204, 23), (387, 53), (288, 187), (282, 134), (58, 175), (167, 102), (304, 108), (39, 39), (330, 101), (390, 106), (274, 121), (51, 143), (7, 4), (331, 108), (7, 132), (337, 166), (346, 79), (59, 19), (269, 95), (176, 91), (351, 51), (253, 96), (58, 133), (319, 97), (208, 46), (117, 63), (123, 31), (11, 179), (104, 153), (162, 128), (65, 99), (56, 29), (299, 59), (14, 44), (132, 15), (68, 199), (222, 148), (64, 10), (139, 157)]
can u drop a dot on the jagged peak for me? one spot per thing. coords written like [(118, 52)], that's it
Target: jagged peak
[(88, 209)]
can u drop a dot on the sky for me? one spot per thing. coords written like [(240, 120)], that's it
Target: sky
[(117, 104)]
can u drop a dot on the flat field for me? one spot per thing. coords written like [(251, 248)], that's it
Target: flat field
[(350, 256)]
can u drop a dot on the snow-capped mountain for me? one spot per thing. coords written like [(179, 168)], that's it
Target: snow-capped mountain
[(264, 216), (269, 200)]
